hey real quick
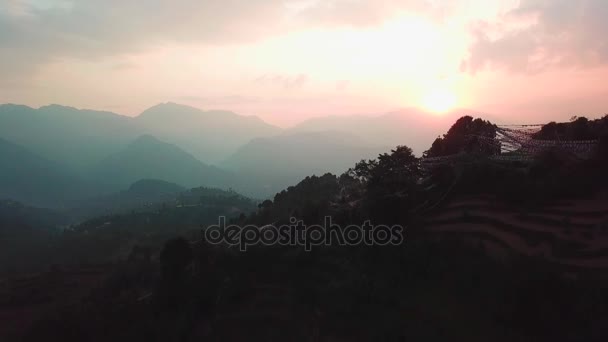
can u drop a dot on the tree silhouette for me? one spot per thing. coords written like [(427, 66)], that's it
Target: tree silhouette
[(392, 184), (175, 256), (466, 135)]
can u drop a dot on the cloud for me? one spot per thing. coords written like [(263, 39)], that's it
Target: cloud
[(34, 32), (359, 13), (37, 32), (540, 34), (110, 25)]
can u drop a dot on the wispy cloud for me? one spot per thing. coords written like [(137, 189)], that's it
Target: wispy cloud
[(359, 13), (560, 33), (91, 29), (32, 34)]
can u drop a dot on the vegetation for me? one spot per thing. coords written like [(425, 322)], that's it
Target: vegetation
[(475, 285), (34, 239), (466, 135)]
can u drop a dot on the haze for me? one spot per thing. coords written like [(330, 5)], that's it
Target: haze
[(289, 60)]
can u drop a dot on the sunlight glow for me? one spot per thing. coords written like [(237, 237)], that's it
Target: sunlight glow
[(439, 100)]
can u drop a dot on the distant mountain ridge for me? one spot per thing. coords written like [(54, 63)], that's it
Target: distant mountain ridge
[(412, 127), (149, 158), (77, 138), (99, 152), (80, 138), (267, 165), (208, 135), (28, 177)]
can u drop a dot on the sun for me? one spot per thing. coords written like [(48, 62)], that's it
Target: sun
[(439, 100)]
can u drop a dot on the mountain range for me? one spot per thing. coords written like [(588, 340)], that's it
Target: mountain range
[(412, 127), (210, 136), (55, 155), (280, 161)]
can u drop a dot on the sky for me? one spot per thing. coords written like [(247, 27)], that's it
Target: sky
[(523, 61)]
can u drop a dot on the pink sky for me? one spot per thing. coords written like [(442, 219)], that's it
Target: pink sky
[(288, 60)]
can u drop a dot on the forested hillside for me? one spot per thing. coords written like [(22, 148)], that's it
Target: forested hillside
[(493, 249)]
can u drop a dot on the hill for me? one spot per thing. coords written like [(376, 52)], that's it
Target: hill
[(412, 127), (25, 234), (264, 166), (108, 151), (14, 214), (30, 178), (492, 249), (80, 138), (149, 158), (208, 135), (145, 193), (76, 138)]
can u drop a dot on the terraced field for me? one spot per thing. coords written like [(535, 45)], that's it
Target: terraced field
[(572, 233)]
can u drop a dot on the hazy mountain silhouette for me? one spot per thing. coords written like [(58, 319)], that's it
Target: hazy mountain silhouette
[(77, 138), (104, 148), (81, 138), (267, 165), (115, 150), (149, 158), (27, 177), (412, 127), (210, 136)]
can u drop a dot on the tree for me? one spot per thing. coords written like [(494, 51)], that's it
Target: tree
[(466, 135), (363, 170), (401, 166), (175, 256), (392, 185)]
